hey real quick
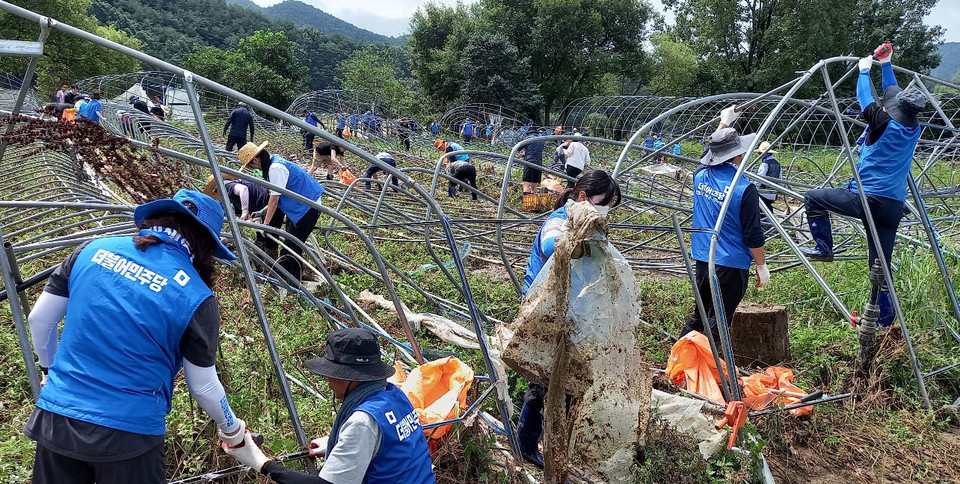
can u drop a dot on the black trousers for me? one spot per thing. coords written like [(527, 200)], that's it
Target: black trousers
[(237, 141), (301, 230), (466, 174), (50, 467), (886, 212), (573, 172), (733, 285)]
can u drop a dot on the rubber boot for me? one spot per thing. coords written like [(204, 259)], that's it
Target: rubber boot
[(887, 314), (823, 236), (530, 429)]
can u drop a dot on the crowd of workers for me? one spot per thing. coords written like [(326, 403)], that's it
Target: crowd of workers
[(138, 308)]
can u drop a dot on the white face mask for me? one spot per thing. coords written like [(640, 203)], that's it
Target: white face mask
[(603, 209)]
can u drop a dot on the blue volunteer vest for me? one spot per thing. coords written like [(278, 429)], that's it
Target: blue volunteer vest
[(456, 147), (299, 182), (309, 120), (711, 187), (89, 110), (120, 348), (403, 455), (773, 171), (537, 257), (885, 165), (468, 129)]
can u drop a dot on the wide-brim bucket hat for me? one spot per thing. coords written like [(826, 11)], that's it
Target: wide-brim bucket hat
[(903, 105), (205, 210), (351, 354), (249, 151), (726, 144)]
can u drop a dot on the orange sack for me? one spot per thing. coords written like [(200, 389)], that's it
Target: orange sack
[(691, 366), (437, 390)]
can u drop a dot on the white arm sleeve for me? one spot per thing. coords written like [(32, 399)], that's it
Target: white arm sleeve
[(206, 389), (44, 320), (244, 193), (762, 171)]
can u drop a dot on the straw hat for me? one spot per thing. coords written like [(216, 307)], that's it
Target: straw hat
[(765, 146), (249, 151), (211, 187)]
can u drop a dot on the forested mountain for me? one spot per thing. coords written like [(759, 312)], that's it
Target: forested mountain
[(172, 29), (302, 14), (949, 61)]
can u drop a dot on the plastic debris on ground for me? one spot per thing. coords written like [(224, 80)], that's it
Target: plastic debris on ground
[(437, 390)]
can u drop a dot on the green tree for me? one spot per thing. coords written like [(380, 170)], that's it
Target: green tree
[(264, 65), (571, 44), (673, 66), (373, 70), (66, 59), (493, 72), (756, 45)]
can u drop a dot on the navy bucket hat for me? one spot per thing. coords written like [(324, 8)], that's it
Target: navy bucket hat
[(204, 209)]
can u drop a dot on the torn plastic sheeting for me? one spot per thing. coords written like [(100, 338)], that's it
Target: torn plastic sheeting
[(593, 295), (692, 367), (463, 253), (443, 328), (437, 390), (685, 415)]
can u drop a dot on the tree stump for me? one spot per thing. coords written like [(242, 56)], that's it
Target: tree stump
[(759, 335)]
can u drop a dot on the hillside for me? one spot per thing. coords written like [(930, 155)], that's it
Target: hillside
[(949, 61), (302, 14)]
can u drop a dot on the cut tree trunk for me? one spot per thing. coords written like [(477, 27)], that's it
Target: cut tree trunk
[(759, 335)]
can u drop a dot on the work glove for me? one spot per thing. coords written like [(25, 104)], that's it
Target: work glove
[(866, 63), (43, 376), (318, 447), (886, 58), (235, 438), (245, 215), (763, 275), (729, 115), (247, 452), (260, 214)]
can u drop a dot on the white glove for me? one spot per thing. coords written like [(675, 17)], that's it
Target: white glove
[(245, 215), (236, 438), (866, 63), (763, 275), (247, 452), (318, 446), (43, 377), (729, 115)]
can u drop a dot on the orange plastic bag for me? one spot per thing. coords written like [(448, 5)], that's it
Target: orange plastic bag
[(346, 176), (692, 367), (437, 390), (69, 115)]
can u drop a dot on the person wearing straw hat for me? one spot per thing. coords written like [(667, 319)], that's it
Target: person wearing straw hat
[(301, 218), (740, 240), (136, 309), (770, 168), (376, 435)]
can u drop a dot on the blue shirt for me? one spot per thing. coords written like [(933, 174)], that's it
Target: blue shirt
[(120, 348), (451, 146), (89, 110), (467, 129), (434, 128), (537, 257), (341, 123), (354, 120), (648, 143), (711, 187)]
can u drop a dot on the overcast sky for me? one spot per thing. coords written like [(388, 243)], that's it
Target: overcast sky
[(392, 17)]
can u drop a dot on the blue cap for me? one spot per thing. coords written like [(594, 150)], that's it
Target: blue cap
[(205, 210)]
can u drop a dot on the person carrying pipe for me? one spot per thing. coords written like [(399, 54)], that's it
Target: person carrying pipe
[(884, 165), (740, 240), (603, 192), (376, 436), (136, 309), (301, 218)]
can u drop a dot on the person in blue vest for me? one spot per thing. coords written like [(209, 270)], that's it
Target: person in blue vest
[(488, 133), (741, 239), (466, 131), (92, 110), (884, 165), (376, 436), (135, 310), (312, 119), (301, 218), (677, 149), (603, 192), (354, 121), (658, 144), (769, 167), (373, 169), (435, 128), (341, 125)]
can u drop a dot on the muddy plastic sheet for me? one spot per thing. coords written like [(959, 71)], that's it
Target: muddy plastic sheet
[(593, 296)]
